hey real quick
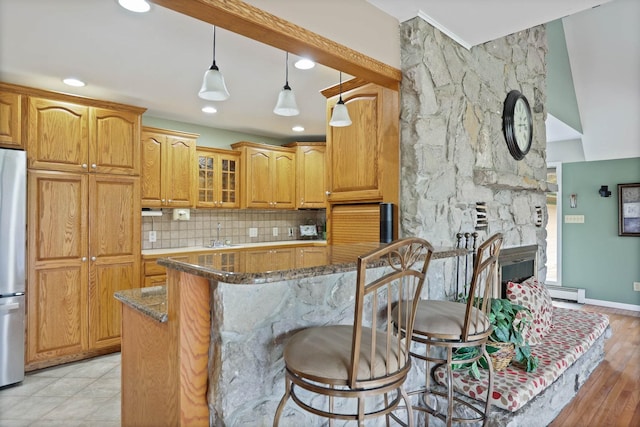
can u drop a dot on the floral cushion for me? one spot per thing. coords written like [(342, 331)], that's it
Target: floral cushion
[(572, 334), (537, 299)]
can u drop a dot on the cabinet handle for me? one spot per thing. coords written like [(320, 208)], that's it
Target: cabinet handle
[(302, 201), (169, 201), (163, 200), (274, 204), (93, 258), (93, 166), (328, 193), (84, 166), (83, 259)]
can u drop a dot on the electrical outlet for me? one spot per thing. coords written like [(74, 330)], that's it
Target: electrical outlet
[(253, 232), (275, 231), (574, 219), (152, 236), (636, 286), (290, 231)]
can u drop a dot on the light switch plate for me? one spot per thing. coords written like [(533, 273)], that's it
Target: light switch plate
[(636, 286), (275, 231), (574, 219), (253, 232), (152, 236)]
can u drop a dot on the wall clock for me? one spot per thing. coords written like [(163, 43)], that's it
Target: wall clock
[(517, 124)]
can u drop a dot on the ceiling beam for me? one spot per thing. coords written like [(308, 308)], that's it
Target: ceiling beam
[(254, 23)]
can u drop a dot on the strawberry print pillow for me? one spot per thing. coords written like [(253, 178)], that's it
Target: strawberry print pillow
[(536, 298)]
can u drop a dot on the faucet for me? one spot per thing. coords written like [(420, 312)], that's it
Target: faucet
[(217, 243)]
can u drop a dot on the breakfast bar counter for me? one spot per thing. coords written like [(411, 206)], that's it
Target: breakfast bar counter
[(206, 349)]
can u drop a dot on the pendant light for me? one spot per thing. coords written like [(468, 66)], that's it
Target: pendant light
[(286, 105), (340, 116), (213, 87)]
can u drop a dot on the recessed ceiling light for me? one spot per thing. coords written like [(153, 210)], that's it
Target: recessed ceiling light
[(304, 64), (139, 6), (297, 129), (209, 110), (71, 81)]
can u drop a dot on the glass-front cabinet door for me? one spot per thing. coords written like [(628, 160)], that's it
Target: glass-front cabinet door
[(217, 178)]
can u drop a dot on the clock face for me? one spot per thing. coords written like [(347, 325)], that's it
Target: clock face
[(522, 124), (517, 124)]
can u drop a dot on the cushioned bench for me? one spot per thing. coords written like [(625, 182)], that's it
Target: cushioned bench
[(571, 335)]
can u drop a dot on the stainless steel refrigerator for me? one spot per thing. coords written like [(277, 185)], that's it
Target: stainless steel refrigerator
[(13, 191)]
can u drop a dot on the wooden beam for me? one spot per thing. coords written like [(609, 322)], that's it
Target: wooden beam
[(249, 21)]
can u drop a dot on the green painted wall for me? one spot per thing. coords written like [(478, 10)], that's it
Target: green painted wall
[(561, 94), (594, 257), (209, 137)]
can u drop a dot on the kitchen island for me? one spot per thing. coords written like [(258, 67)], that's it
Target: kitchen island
[(206, 349)]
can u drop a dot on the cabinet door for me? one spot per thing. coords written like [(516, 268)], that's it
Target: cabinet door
[(114, 252), (178, 171), (206, 181), (311, 177), (311, 257), (229, 172), (152, 150), (282, 259), (283, 177), (115, 142), (58, 135), (10, 120), (58, 266), (353, 151), (258, 188)]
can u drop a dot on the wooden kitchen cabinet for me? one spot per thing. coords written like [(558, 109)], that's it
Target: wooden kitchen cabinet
[(168, 172), (311, 184), (75, 137), (311, 256), (83, 245), (269, 259), (268, 176), (10, 119), (363, 158), (218, 178)]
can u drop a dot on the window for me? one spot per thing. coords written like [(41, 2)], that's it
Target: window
[(554, 211)]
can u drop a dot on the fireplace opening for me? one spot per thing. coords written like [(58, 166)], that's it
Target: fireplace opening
[(515, 265)]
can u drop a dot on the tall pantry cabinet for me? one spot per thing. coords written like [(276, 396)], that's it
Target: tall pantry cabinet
[(83, 224)]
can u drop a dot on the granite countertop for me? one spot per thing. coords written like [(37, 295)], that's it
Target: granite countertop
[(339, 259), (151, 301), (192, 249)]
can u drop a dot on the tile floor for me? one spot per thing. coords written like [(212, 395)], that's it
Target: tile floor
[(84, 393)]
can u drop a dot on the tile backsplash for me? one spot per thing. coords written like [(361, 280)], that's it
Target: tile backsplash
[(201, 228)]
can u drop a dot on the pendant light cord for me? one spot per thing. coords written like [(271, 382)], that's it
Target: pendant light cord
[(214, 46), (286, 70)]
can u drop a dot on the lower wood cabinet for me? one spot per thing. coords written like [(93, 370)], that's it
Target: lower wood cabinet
[(83, 245)]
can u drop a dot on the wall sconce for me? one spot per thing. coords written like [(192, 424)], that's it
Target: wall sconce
[(573, 201), (538, 217), (604, 191), (482, 222)]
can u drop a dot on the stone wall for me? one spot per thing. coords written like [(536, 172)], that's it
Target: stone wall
[(453, 152)]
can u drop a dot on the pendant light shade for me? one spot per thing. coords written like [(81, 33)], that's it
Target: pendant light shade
[(286, 105), (340, 116), (213, 87)]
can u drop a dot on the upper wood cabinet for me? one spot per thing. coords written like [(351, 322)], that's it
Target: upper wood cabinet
[(74, 137), (363, 158), (218, 178), (168, 172), (10, 119), (268, 176), (311, 180)]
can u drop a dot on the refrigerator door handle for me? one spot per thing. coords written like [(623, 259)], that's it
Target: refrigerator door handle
[(9, 307)]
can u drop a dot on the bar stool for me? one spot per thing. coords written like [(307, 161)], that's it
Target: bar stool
[(450, 325), (367, 362)]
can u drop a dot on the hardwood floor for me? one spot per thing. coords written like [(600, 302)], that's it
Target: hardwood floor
[(611, 395)]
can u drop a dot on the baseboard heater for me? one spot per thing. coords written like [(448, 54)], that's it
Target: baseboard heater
[(567, 293)]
